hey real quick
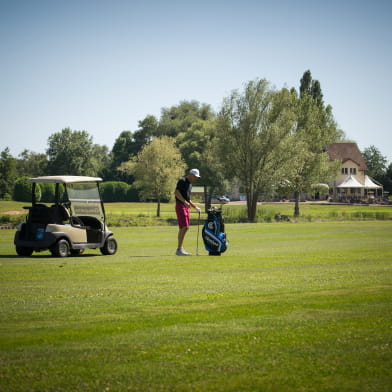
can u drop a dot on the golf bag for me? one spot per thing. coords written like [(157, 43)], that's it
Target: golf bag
[(213, 232)]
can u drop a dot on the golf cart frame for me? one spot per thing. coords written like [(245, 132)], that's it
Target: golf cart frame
[(76, 221)]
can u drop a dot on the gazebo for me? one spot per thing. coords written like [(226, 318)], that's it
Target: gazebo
[(350, 188), (372, 187)]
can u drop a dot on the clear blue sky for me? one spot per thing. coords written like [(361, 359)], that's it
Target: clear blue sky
[(102, 66)]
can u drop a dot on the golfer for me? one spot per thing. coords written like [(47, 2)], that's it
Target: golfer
[(183, 205)]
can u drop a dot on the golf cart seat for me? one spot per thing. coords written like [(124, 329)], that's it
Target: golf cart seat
[(60, 213), (40, 213)]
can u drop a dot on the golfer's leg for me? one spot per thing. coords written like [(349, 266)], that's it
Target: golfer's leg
[(181, 234)]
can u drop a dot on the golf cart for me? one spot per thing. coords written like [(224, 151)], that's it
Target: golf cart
[(73, 222)]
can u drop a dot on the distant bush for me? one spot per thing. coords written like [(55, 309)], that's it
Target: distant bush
[(22, 190), (5, 219), (47, 192), (132, 194), (118, 191)]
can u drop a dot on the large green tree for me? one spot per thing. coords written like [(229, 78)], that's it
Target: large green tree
[(31, 164), (101, 159), (122, 148), (128, 144), (310, 87), (122, 151), (375, 162), (197, 147), (180, 118), (148, 128), (254, 129), (73, 153), (314, 130), (156, 169), (8, 173), (386, 180)]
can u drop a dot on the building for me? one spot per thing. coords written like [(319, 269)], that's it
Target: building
[(352, 183)]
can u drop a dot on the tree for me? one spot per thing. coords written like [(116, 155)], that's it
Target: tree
[(31, 164), (8, 173), (22, 190), (375, 162), (305, 84), (314, 130), (197, 147), (387, 179), (121, 152), (122, 148), (180, 118), (310, 87), (101, 159), (253, 137), (128, 145), (72, 152), (148, 128), (156, 169)]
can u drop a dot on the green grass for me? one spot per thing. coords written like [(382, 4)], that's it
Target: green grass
[(310, 212), (144, 214), (289, 307)]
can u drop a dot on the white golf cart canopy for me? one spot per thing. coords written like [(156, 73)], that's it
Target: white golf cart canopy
[(65, 179), (81, 192)]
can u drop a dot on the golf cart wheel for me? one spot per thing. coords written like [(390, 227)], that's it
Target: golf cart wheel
[(23, 251), (110, 246), (60, 248)]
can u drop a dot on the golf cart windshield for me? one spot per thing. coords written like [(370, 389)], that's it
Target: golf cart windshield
[(85, 200)]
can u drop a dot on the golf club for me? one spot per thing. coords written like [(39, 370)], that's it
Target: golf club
[(197, 240)]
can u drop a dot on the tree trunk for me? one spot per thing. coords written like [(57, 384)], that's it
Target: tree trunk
[(207, 197), (251, 203), (296, 207), (159, 208)]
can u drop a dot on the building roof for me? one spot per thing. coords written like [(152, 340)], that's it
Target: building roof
[(369, 183), (350, 182), (345, 152)]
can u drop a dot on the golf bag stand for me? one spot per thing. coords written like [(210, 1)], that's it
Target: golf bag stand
[(213, 232)]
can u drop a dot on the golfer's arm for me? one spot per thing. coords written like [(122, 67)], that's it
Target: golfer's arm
[(178, 195), (191, 203)]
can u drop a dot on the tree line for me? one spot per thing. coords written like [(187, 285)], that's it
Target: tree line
[(264, 140)]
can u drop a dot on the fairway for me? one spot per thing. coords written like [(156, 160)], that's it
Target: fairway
[(288, 307)]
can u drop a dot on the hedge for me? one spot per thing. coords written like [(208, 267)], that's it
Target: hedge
[(118, 191), (111, 191)]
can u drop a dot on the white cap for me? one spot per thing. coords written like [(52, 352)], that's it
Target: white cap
[(195, 172)]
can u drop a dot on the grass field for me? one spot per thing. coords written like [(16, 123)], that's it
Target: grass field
[(289, 307), (144, 214)]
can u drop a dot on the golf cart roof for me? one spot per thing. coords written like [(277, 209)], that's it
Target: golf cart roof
[(65, 179)]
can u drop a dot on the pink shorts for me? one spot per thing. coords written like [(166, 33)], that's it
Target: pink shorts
[(183, 215)]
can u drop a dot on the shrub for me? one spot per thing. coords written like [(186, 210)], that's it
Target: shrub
[(132, 194), (5, 219), (47, 192), (116, 191), (22, 190)]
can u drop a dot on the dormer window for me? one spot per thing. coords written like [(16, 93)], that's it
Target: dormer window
[(353, 170), (344, 170)]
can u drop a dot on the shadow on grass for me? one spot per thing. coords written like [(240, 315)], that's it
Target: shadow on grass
[(48, 256)]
